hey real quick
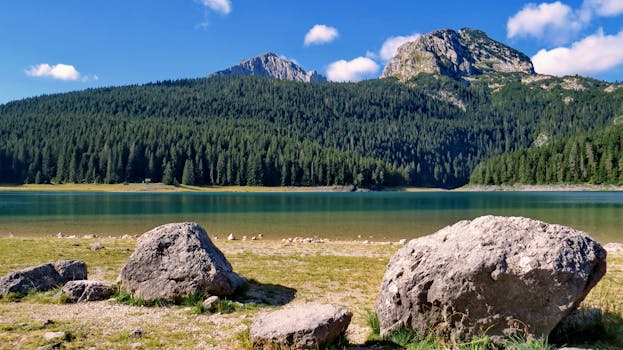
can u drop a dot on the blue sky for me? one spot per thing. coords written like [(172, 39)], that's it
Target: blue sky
[(56, 46)]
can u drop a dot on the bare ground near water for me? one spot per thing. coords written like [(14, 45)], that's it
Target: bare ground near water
[(343, 273)]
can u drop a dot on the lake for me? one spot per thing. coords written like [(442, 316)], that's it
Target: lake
[(377, 216)]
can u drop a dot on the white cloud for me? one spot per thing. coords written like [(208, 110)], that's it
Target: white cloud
[(353, 70), (555, 22), (606, 8), (391, 45), (58, 71), (594, 54), (320, 34), (221, 6)]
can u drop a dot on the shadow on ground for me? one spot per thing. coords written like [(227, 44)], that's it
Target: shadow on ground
[(595, 331), (266, 293)]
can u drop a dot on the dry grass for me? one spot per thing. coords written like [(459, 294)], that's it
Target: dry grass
[(347, 274)]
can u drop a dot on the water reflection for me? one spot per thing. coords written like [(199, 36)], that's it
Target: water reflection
[(333, 215)]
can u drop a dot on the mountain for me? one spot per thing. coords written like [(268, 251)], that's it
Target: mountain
[(431, 131), (271, 65), (459, 55)]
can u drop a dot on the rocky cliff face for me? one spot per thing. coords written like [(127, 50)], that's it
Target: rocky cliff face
[(456, 54), (271, 65)]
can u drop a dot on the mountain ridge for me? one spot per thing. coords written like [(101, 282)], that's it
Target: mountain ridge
[(458, 54), (271, 65)]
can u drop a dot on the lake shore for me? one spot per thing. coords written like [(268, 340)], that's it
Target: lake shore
[(538, 188), (159, 187), (344, 273)]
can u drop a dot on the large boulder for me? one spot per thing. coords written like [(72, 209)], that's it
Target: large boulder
[(303, 326), (177, 260), (43, 277), (493, 275), (87, 290)]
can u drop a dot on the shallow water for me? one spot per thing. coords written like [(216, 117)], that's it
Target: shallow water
[(376, 216)]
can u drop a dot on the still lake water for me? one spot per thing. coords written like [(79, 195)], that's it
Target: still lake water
[(376, 216)]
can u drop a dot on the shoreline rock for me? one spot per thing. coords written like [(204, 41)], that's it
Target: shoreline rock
[(499, 275), (177, 260)]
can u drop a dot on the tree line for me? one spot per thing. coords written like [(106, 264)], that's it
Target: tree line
[(261, 131), (590, 158)]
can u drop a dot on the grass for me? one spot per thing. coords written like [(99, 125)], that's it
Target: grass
[(321, 273)]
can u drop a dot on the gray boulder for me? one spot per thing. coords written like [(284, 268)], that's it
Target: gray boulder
[(302, 326), (177, 260), (43, 277), (494, 275), (86, 290), (211, 303)]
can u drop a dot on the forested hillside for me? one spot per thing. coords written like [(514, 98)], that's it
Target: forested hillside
[(430, 131), (594, 158)]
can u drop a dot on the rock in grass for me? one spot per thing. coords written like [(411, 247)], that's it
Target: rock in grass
[(48, 336), (493, 275), (43, 277), (176, 260), (86, 290), (211, 303), (301, 326)]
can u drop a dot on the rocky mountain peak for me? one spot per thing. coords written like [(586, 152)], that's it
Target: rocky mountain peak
[(274, 66), (457, 54)]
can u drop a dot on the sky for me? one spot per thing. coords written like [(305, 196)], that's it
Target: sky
[(51, 46)]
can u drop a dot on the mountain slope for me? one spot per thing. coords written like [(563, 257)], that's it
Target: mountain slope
[(253, 130), (271, 65), (595, 157), (455, 54)]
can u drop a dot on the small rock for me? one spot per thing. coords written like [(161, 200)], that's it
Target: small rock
[(96, 246), (60, 235), (53, 346), (43, 277), (253, 238), (47, 323), (211, 303), (56, 336), (402, 241), (136, 333), (91, 236), (87, 290), (260, 236), (301, 326), (126, 236), (231, 237), (366, 242), (244, 238)]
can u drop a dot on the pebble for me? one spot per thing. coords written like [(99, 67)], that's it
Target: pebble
[(96, 246), (55, 336), (402, 241), (136, 333), (231, 237)]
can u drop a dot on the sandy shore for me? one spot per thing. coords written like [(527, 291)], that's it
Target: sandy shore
[(539, 188), (158, 187)]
